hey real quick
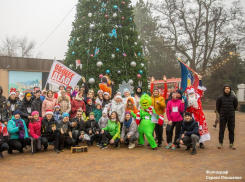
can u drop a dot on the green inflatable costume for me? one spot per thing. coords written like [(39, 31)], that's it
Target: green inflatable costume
[(143, 119)]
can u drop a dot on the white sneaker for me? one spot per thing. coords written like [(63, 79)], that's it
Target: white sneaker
[(131, 145)]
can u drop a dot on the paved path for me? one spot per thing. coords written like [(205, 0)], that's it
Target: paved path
[(139, 164)]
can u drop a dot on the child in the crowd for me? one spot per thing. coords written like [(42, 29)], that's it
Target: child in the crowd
[(99, 98), (19, 134), (102, 124), (35, 132), (89, 106), (217, 118), (57, 113), (92, 129), (119, 107), (129, 130), (130, 106), (111, 132), (97, 112), (4, 137)]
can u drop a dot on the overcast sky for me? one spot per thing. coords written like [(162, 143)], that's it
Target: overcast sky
[(37, 19)]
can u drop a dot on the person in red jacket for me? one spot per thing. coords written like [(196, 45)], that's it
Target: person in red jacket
[(35, 132), (77, 104)]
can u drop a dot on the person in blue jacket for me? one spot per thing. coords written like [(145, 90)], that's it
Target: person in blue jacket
[(19, 133)]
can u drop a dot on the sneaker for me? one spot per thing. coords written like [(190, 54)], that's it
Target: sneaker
[(168, 145), (232, 146), (201, 146), (140, 145), (98, 145), (188, 148), (131, 145), (220, 146), (103, 147), (10, 152), (1, 155), (155, 149), (173, 147), (214, 125), (32, 153), (194, 151), (57, 151)]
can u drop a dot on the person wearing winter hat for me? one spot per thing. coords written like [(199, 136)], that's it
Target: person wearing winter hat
[(92, 129), (48, 103), (89, 106), (66, 139), (106, 100), (102, 124), (50, 131), (127, 95), (77, 104), (26, 108), (119, 107), (99, 98), (130, 132), (35, 132), (57, 112), (12, 104), (19, 133), (189, 133), (97, 112), (75, 92)]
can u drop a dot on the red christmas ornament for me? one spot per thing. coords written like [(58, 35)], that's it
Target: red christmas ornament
[(123, 2), (122, 18), (106, 16), (100, 76), (91, 55), (139, 76)]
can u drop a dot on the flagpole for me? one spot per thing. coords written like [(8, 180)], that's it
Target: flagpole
[(49, 74), (188, 67)]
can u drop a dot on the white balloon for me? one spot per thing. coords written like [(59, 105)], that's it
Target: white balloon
[(130, 81), (113, 55), (90, 14), (142, 64), (114, 15), (99, 64), (91, 80), (133, 64)]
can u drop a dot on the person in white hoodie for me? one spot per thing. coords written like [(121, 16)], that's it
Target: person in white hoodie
[(119, 107), (127, 95)]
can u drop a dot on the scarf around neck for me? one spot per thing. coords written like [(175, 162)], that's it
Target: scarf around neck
[(19, 123), (128, 123)]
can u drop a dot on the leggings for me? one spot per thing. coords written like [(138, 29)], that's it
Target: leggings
[(106, 137), (18, 144), (169, 131)]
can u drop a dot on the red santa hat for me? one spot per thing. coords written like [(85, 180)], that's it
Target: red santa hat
[(57, 106), (49, 112), (12, 91), (190, 90)]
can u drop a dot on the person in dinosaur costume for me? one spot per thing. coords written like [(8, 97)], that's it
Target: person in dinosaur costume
[(143, 119)]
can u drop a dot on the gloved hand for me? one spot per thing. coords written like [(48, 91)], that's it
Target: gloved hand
[(20, 128), (40, 138)]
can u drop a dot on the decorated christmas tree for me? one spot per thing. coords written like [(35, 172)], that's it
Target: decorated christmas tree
[(105, 41)]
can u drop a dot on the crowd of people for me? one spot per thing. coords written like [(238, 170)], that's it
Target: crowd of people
[(66, 118)]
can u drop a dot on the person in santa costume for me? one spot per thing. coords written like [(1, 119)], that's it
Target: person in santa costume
[(195, 108)]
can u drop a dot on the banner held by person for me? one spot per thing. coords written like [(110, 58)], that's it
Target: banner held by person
[(61, 75)]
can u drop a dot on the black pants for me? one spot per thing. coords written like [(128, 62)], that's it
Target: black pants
[(4, 146), (230, 122), (106, 137), (18, 144), (65, 141), (75, 136), (54, 137), (193, 139), (132, 139), (169, 131), (159, 132)]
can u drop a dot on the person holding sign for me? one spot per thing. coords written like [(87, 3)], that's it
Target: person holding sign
[(174, 107)]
